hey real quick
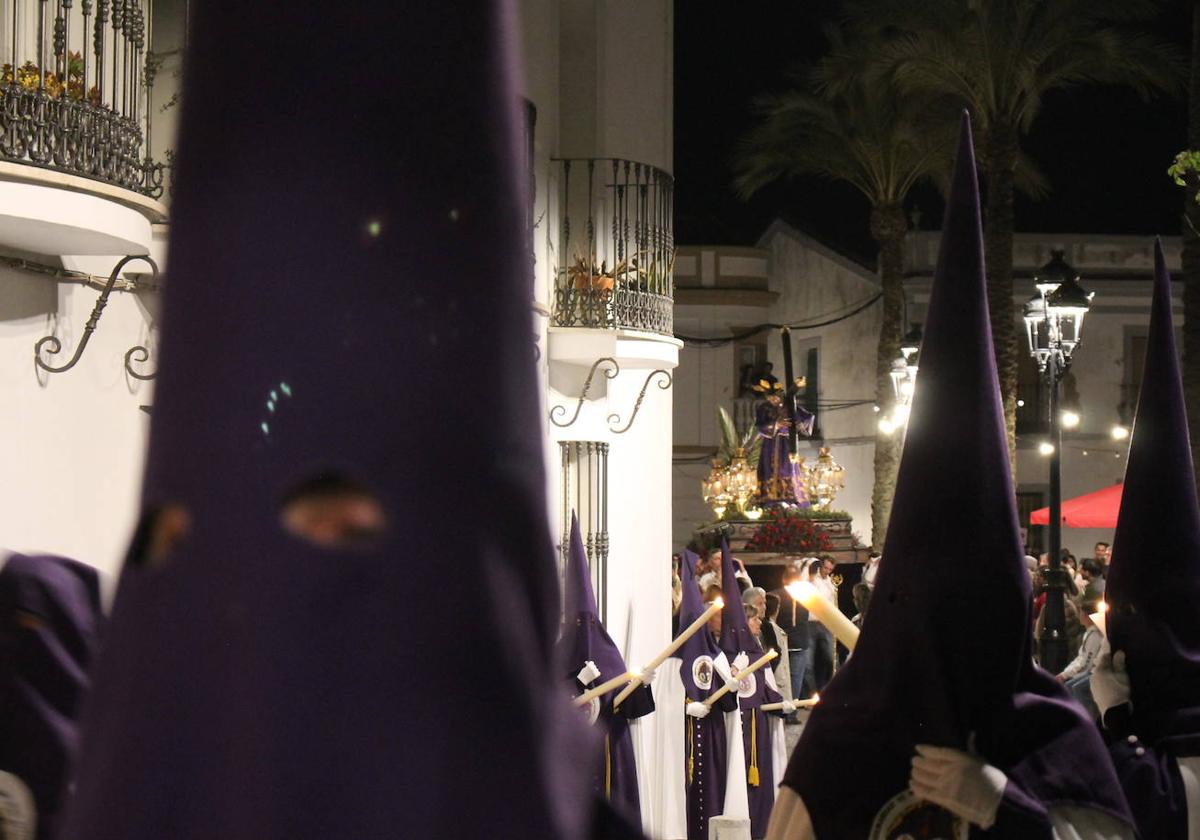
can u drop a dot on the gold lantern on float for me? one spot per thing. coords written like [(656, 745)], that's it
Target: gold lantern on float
[(741, 479), (715, 488), (824, 479)]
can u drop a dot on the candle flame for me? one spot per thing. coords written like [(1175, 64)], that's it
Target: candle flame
[(802, 591), (816, 698), (1102, 607), (719, 603)]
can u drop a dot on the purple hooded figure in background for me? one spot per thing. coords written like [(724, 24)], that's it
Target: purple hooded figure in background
[(348, 251), (940, 720), (1149, 687), (758, 730), (585, 642), (50, 623), (703, 670)]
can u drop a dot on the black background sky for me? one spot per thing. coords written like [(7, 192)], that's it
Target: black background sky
[(1104, 151)]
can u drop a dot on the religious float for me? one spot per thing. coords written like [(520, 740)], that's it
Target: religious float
[(770, 504)]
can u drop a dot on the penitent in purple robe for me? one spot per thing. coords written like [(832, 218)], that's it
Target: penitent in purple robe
[(1153, 592), (945, 656), (348, 258), (702, 662), (50, 624), (584, 639), (739, 644)]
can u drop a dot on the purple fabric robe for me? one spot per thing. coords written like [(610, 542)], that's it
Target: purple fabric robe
[(50, 624), (614, 775), (1154, 587), (737, 639), (706, 759), (945, 653), (348, 258)]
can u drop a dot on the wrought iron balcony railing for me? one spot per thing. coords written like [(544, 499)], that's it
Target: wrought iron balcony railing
[(616, 246), (74, 89)]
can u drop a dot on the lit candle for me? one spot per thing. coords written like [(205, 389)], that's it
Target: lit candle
[(1099, 618), (758, 663), (799, 704), (825, 612), (606, 686), (692, 629)]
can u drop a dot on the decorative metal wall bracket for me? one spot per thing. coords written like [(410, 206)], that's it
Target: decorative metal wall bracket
[(614, 419), (559, 410), (54, 346), (138, 354)]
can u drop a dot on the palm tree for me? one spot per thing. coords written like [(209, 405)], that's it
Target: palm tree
[(881, 141), (1191, 249), (999, 59)]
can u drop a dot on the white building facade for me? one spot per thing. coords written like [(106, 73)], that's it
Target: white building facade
[(791, 278)]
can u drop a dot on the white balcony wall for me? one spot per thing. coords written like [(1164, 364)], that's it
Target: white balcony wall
[(74, 441)]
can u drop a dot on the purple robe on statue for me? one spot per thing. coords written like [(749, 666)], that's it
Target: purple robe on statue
[(777, 473), (348, 257), (737, 640), (945, 656), (584, 639), (50, 624), (1153, 591), (706, 758)]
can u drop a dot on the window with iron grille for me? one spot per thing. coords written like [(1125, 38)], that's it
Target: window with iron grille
[(585, 493)]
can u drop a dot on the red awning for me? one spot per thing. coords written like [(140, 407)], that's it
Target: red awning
[(1095, 510)]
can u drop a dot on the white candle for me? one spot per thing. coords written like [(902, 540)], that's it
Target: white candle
[(606, 686), (691, 630), (758, 663), (799, 704), (825, 612)]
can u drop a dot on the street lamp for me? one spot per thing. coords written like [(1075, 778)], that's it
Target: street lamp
[(1053, 328), (904, 381)]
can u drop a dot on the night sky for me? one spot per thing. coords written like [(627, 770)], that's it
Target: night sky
[(1104, 151)]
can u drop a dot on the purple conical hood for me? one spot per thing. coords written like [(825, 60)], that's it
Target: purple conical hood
[(584, 637), (348, 298), (735, 628), (50, 625), (701, 646), (1154, 581), (945, 653)]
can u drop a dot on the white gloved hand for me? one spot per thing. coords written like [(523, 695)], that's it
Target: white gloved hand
[(647, 676), (961, 783), (789, 707), (733, 685), (587, 673), (1110, 681), (698, 710)]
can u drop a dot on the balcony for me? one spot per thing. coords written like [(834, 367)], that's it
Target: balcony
[(78, 100), (616, 246)]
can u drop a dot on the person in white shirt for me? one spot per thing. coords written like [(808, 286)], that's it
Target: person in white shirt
[(820, 649)]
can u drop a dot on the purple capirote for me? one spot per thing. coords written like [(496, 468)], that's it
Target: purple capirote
[(349, 297), (945, 656)]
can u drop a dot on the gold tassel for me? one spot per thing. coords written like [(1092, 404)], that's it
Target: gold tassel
[(752, 773), (691, 736), (607, 768)]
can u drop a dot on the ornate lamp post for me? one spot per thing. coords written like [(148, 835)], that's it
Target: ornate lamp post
[(1053, 326), (904, 380)]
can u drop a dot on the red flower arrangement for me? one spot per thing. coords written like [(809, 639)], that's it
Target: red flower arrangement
[(786, 532)]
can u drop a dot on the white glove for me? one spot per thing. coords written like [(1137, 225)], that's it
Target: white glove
[(1110, 681), (733, 685), (961, 783), (587, 673), (647, 676), (698, 710), (788, 707)]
